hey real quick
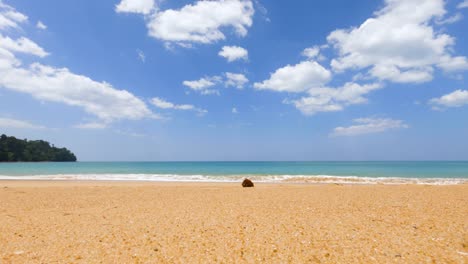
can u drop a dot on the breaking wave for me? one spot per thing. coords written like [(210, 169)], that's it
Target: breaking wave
[(296, 179)]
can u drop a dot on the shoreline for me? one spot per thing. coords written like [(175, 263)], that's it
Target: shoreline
[(92, 221), (46, 182), (268, 179)]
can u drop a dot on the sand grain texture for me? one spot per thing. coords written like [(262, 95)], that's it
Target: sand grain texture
[(93, 222)]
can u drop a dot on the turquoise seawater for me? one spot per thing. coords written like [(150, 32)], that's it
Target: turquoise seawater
[(437, 172)]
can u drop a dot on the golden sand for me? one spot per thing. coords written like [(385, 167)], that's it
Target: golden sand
[(111, 222)]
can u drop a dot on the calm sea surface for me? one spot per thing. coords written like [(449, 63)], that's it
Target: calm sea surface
[(374, 171)]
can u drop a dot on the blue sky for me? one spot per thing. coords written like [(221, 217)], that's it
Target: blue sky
[(237, 79)]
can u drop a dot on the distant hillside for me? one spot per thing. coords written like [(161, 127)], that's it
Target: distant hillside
[(13, 149)]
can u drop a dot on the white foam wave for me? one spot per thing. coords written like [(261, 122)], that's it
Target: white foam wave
[(309, 179)]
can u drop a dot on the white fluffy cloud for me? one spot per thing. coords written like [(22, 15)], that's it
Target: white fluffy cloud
[(23, 45), (463, 4), (399, 44), (368, 126), (333, 99), (144, 7), (202, 21), (296, 78), (204, 85), (9, 17), (311, 78), (233, 53), (41, 25), (47, 83), (60, 85), (163, 104), (237, 80), (455, 99), (14, 123)]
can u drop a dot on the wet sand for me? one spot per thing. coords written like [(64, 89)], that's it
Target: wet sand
[(128, 222)]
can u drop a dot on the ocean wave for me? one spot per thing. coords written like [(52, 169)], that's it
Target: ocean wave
[(296, 179)]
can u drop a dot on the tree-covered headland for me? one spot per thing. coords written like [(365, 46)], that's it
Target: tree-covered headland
[(13, 149)]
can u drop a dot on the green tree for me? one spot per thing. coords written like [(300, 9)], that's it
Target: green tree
[(13, 149)]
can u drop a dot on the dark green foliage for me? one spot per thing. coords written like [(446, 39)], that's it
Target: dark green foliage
[(13, 149)]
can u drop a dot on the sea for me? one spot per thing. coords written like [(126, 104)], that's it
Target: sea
[(340, 172)]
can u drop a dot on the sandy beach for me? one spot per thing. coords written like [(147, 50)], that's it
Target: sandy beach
[(129, 222)]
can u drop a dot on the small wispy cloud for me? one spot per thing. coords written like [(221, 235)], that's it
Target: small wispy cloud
[(20, 124), (450, 20), (141, 55), (369, 126), (204, 85), (237, 80), (463, 4), (129, 133), (163, 104), (457, 98), (41, 25), (92, 125)]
